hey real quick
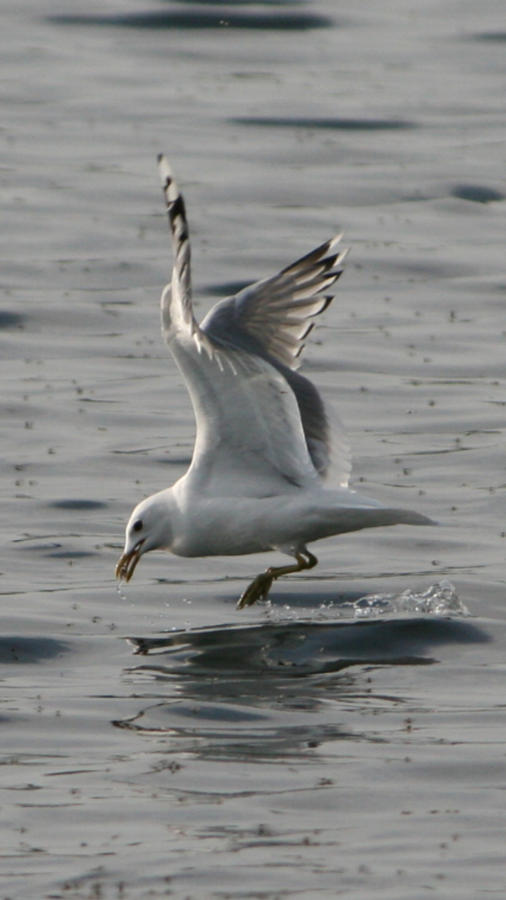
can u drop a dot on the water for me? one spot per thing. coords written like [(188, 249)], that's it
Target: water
[(346, 739)]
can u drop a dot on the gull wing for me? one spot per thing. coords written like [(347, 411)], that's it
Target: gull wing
[(255, 415), (272, 319)]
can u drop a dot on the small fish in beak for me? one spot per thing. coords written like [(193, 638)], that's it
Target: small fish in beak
[(127, 562)]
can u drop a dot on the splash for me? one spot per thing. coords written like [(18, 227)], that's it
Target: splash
[(121, 591), (440, 599)]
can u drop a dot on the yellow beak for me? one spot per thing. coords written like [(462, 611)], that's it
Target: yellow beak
[(126, 564)]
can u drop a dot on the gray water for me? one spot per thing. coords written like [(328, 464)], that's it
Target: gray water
[(155, 741)]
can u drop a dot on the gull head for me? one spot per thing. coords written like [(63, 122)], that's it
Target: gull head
[(148, 528)]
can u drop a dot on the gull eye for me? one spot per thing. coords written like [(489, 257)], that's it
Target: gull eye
[(137, 526)]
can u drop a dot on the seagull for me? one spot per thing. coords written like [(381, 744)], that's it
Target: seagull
[(264, 474)]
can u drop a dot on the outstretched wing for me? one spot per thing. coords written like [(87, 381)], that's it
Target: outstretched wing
[(258, 421), (272, 319), (177, 310)]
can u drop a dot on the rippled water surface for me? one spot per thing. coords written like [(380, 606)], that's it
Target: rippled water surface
[(348, 738)]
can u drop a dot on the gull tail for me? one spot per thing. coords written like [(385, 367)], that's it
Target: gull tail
[(342, 518), (375, 517)]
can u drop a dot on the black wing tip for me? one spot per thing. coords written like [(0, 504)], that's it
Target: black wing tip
[(164, 171), (328, 247), (327, 300), (307, 332), (321, 255), (336, 275)]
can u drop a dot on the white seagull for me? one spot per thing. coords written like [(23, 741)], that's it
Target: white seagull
[(259, 475)]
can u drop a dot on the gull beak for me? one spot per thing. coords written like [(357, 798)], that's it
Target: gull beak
[(127, 562)]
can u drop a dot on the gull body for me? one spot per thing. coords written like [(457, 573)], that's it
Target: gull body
[(189, 523), (265, 473)]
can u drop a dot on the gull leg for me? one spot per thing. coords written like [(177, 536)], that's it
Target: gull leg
[(261, 585)]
